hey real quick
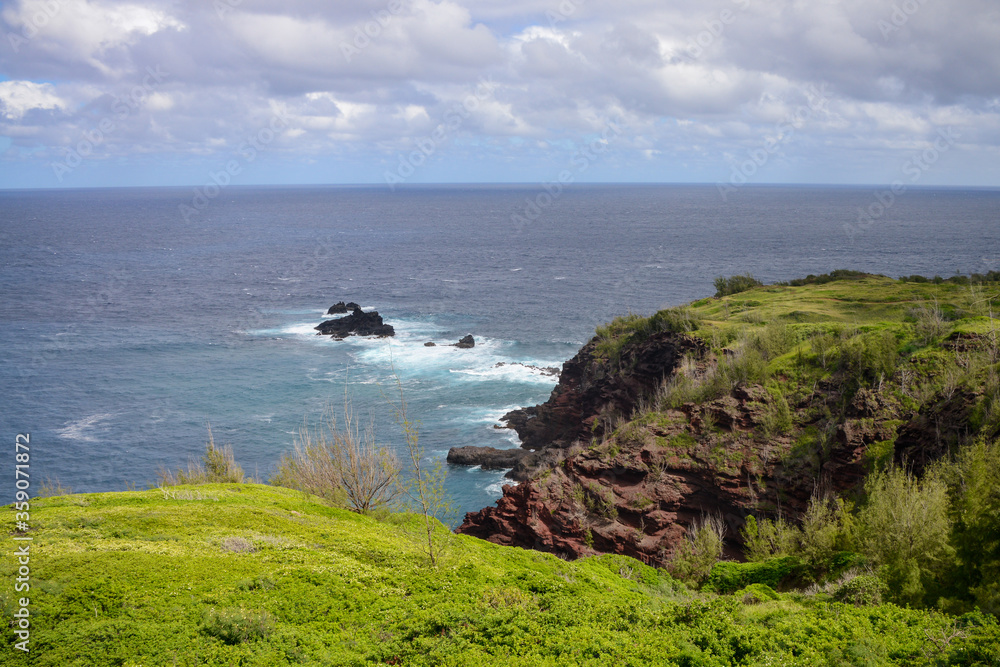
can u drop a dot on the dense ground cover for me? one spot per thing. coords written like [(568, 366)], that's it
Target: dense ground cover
[(242, 574)]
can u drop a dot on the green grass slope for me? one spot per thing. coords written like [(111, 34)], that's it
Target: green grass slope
[(242, 574)]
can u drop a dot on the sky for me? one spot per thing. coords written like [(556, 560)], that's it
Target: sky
[(98, 93)]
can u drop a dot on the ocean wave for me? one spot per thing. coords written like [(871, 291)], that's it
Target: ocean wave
[(82, 429)]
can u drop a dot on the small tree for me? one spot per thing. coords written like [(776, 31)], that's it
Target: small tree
[(904, 531), (974, 482), (701, 548), (342, 464), (426, 486), (765, 539), (827, 527)]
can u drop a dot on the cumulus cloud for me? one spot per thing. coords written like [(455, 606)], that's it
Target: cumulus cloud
[(695, 84), (17, 98)]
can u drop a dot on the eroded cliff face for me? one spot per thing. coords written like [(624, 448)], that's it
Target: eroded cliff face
[(599, 483), (592, 393)]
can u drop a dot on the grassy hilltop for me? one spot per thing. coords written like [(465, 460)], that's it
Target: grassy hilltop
[(256, 575), (251, 574)]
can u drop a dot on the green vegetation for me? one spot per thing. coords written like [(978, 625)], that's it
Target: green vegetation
[(735, 284), (217, 465), (902, 569), (632, 328), (142, 578)]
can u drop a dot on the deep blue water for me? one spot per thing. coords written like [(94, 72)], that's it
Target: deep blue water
[(126, 330)]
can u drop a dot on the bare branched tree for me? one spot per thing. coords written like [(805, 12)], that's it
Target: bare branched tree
[(341, 462)]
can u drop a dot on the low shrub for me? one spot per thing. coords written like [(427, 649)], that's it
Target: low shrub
[(237, 626), (838, 274), (735, 284), (217, 465), (861, 591), (756, 593), (778, 573)]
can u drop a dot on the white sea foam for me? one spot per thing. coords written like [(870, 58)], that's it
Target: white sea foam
[(495, 490), (511, 372), (300, 329), (83, 429)]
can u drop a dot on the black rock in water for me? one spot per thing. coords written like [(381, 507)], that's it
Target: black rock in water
[(358, 323), (338, 308), (466, 343), (430, 344), (487, 457)]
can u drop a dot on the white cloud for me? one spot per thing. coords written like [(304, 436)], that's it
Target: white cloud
[(17, 98), (359, 79)]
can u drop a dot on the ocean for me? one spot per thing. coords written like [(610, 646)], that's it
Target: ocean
[(128, 328)]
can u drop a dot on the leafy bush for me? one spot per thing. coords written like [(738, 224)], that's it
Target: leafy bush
[(745, 366), (777, 573), (862, 590), (766, 539), (695, 555), (827, 529), (601, 501), (777, 417), (974, 486), (869, 358), (904, 530), (756, 593), (735, 284), (237, 626)]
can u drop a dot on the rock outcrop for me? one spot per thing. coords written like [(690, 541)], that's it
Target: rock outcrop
[(358, 323), (466, 343), (341, 308), (487, 457), (601, 483), (543, 370)]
